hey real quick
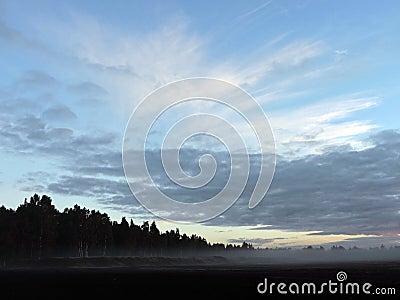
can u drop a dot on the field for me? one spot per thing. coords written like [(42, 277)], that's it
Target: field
[(211, 277)]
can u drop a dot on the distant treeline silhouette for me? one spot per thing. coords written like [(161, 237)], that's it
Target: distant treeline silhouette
[(36, 229)]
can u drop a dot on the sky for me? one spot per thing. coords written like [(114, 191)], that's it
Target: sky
[(325, 73)]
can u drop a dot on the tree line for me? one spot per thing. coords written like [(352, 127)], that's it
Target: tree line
[(36, 229)]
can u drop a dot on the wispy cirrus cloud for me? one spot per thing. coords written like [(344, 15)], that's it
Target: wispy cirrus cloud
[(254, 11), (322, 124)]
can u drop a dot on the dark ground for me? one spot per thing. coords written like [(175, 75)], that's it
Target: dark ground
[(187, 279)]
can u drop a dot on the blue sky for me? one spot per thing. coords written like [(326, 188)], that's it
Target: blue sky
[(326, 74)]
